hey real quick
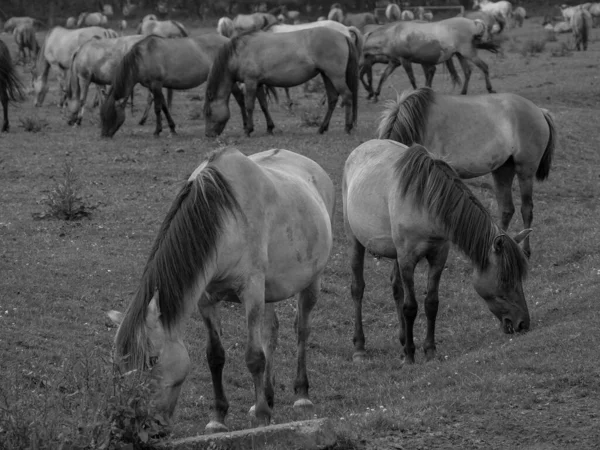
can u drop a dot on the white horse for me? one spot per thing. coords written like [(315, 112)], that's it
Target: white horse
[(164, 28), (225, 27), (96, 19), (71, 22), (14, 22), (502, 7), (392, 12), (407, 15), (519, 16)]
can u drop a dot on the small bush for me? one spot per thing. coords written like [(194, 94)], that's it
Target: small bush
[(562, 49), (533, 47), (32, 124), (64, 201)]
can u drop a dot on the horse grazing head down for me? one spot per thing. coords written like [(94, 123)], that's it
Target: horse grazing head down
[(112, 115)]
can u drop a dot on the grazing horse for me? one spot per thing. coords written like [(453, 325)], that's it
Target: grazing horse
[(156, 62), (96, 60), (581, 25), (495, 23), (502, 7), (24, 35), (95, 19), (14, 22), (246, 23), (519, 16), (504, 134), (393, 13), (407, 15), (261, 58), (11, 88), (404, 204), (360, 20), (568, 11), (432, 43), (252, 230), (57, 51), (225, 27)]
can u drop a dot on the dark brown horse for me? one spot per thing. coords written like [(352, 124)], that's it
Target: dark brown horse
[(11, 88)]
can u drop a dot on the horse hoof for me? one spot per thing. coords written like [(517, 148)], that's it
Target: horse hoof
[(141, 122), (270, 131), (491, 91), (215, 427), (429, 355), (359, 356)]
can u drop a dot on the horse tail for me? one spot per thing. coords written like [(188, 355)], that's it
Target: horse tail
[(452, 71), (73, 79), (359, 40), (584, 31), (543, 169), (492, 47), (271, 92), (9, 79), (181, 28), (405, 119), (352, 77)]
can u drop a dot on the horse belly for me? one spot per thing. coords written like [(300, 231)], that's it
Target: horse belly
[(424, 51), (286, 75)]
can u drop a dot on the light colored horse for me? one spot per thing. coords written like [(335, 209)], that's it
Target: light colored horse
[(165, 28), (252, 230), (71, 23), (581, 24), (360, 20), (96, 60), (407, 15), (378, 49), (594, 9), (432, 43), (14, 22), (568, 11), (264, 59), (24, 35), (11, 87), (57, 51), (494, 22), (422, 14), (517, 138), (519, 16), (501, 7), (156, 62), (407, 205), (393, 13), (245, 23), (225, 27), (122, 27), (95, 19)]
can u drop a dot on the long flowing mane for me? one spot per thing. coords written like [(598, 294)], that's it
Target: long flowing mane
[(218, 71), (435, 186), (405, 119), (185, 244)]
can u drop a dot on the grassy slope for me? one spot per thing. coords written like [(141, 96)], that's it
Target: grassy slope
[(485, 390)]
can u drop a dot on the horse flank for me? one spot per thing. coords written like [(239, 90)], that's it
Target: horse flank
[(436, 187), (405, 119), (185, 245)]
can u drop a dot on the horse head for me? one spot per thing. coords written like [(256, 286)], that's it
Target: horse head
[(500, 282), (112, 115), (481, 30)]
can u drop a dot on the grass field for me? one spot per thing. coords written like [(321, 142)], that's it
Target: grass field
[(488, 390)]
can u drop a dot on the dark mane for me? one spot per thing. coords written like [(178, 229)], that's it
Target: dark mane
[(435, 186), (185, 244), (405, 119), (218, 71)]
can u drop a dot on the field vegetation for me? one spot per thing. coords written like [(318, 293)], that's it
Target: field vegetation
[(78, 215)]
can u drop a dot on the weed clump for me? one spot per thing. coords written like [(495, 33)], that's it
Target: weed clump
[(533, 47), (32, 124)]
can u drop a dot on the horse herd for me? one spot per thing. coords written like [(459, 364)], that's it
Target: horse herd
[(257, 230)]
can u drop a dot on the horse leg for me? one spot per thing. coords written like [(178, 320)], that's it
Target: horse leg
[(306, 302), (239, 98), (367, 71), (357, 289), (264, 106), (332, 98), (289, 99), (169, 98), (165, 109), (398, 294), (429, 72), (526, 188), (437, 260), (132, 96), (270, 333), (503, 180), (83, 98), (4, 101), (486, 73), (62, 77), (410, 306), (249, 97), (215, 355), (409, 72), (467, 71), (147, 110), (387, 72), (158, 99), (253, 299)]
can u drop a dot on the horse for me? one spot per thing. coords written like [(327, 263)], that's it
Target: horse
[(568, 11), (164, 28), (594, 9), (359, 20), (24, 35), (261, 58), (503, 7), (433, 43), (495, 23), (71, 23), (57, 51), (407, 15), (581, 25), (156, 62), (14, 22), (519, 16), (252, 230), (225, 27), (95, 19), (519, 139), (392, 12), (246, 23), (11, 88), (122, 27), (405, 204), (95, 60)]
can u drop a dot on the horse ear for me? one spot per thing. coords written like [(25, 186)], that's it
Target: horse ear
[(115, 316), (522, 235)]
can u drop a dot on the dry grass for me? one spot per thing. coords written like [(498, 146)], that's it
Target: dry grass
[(484, 390)]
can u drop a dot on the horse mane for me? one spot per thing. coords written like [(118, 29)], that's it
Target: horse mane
[(436, 187), (219, 69), (185, 245), (405, 119), (180, 27)]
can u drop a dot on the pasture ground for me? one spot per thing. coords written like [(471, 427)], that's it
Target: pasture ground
[(540, 390)]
